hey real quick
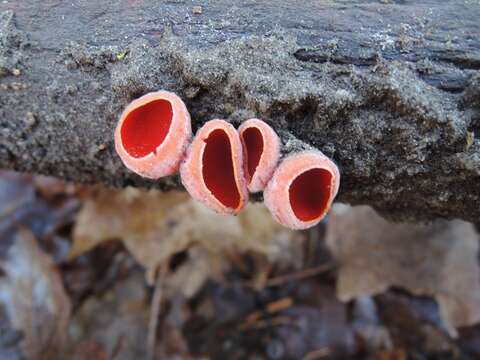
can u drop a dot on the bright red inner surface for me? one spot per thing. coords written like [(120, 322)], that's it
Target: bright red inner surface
[(309, 194), (253, 140), (146, 127), (217, 171)]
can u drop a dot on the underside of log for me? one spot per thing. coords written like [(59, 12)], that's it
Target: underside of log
[(389, 89)]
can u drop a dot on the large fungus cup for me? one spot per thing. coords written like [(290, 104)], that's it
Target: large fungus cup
[(213, 170), (153, 133), (302, 189), (261, 152)]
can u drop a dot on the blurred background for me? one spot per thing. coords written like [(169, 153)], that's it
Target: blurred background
[(96, 273)]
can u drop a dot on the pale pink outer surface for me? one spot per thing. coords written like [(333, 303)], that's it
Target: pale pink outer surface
[(191, 170), (167, 157), (277, 196), (270, 155)]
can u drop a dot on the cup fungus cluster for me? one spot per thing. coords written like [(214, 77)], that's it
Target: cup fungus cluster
[(221, 165)]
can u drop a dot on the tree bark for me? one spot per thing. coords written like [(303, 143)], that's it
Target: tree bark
[(390, 89)]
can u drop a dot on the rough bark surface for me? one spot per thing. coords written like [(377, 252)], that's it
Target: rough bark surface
[(390, 89)]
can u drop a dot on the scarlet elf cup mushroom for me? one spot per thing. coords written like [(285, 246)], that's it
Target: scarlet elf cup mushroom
[(153, 133), (302, 189), (221, 164), (213, 171), (261, 151)]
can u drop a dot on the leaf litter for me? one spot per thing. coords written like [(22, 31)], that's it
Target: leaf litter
[(165, 224), (83, 263), (34, 298), (438, 259)]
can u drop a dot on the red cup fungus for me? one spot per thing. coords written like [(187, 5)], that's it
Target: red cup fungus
[(153, 133), (302, 189), (261, 147), (213, 169)]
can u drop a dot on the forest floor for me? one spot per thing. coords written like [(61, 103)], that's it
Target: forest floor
[(95, 273)]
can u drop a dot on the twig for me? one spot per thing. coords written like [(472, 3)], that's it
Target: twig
[(266, 323), (118, 347), (311, 243), (155, 309), (317, 354), (271, 308), (302, 274)]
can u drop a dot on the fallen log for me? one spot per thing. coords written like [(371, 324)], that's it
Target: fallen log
[(390, 89)]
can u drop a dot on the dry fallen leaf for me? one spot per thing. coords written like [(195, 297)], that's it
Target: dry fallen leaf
[(155, 225), (34, 298), (439, 260)]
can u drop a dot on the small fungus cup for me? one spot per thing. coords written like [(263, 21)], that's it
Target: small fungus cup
[(213, 169), (153, 133), (261, 147), (302, 189)]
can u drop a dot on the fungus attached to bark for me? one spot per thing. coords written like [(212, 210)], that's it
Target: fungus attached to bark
[(213, 170), (261, 151), (153, 133), (302, 189)]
